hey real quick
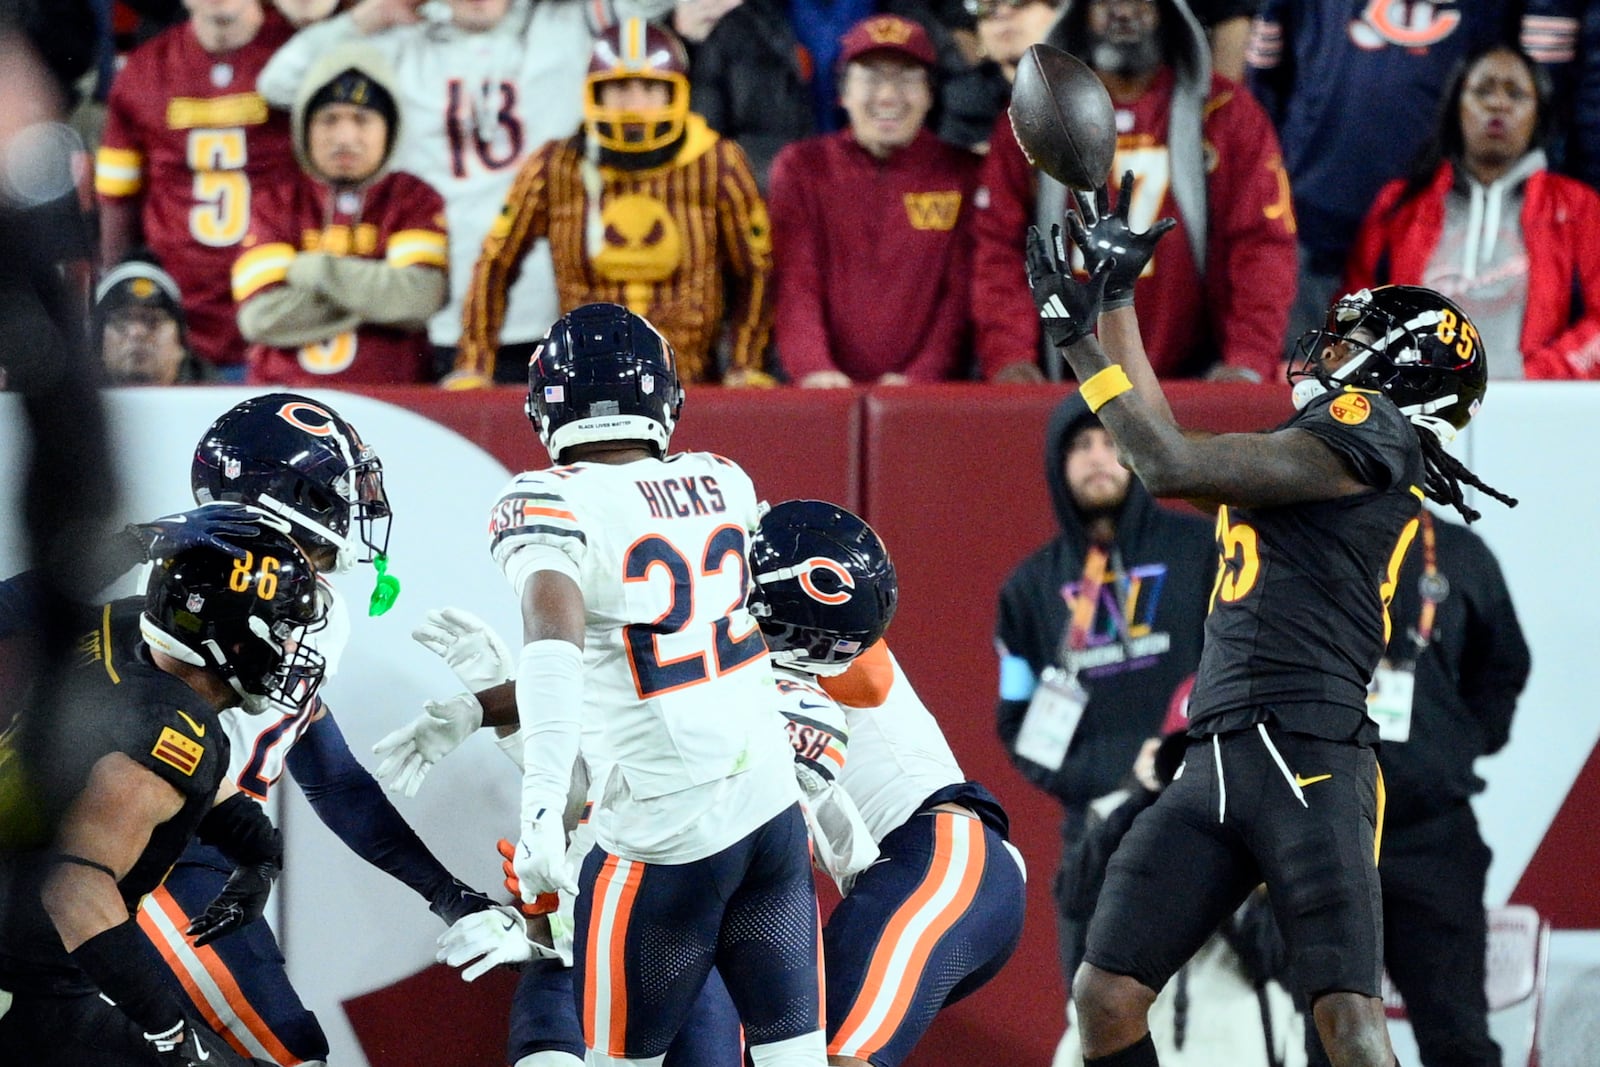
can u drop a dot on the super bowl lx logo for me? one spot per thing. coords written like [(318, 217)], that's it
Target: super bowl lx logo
[(808, 582)]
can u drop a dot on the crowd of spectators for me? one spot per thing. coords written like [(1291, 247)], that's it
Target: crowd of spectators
[(578, 155)]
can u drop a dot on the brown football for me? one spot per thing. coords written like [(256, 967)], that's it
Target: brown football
[(1063, 118)]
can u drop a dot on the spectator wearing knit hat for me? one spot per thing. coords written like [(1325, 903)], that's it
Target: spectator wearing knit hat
[(139, 328), (342, 268)]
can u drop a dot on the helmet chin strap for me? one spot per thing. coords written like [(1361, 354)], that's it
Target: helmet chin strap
[(1308, 389)]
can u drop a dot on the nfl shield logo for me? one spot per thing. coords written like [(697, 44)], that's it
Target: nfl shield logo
[(555, 394), (230, 468), (195, 602), (647, 384)]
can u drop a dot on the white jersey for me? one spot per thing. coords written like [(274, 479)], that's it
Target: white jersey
[(475, 106), (260, 744), (675, 669), (898, 756)]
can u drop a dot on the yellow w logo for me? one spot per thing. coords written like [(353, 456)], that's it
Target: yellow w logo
[(933, 211)]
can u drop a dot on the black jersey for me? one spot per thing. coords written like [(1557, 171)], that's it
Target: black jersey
[(1299, 608), (114, 699)]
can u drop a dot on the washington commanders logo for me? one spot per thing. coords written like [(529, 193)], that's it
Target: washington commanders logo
[(933, 211), (807, 578), (1351, 409), (1404, 23)]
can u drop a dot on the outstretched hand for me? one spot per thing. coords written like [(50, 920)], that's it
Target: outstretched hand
[(1068, 307), (1108, 238)]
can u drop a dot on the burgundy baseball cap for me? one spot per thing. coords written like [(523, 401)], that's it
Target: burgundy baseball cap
[(887, 33)]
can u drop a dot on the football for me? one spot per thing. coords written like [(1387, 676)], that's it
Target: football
[(1063, 118)]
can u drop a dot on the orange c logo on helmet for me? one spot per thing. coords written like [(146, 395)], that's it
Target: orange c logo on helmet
[(290, 413), (816, 563)]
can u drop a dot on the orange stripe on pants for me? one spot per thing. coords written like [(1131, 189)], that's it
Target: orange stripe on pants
[(218, 971), (608, 933), (951, 832)]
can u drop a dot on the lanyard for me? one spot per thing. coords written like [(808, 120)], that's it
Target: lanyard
[(1428, 587)]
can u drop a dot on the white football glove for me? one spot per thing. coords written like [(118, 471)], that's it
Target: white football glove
[(468, 646), (541, 857), (409, 753), (491, 938)]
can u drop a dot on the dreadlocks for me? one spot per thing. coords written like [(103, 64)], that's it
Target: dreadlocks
[(1445, 473)]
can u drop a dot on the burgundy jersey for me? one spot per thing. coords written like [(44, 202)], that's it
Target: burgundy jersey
[(398, 221), (188, 135)]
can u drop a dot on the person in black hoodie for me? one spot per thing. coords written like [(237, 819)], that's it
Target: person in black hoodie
[(1444, 695), (1134, 578)]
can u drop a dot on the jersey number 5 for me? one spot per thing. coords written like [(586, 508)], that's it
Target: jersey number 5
[(221, 212), (652, 675)]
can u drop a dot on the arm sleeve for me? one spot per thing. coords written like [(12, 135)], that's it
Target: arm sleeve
[(353, 805), (373, 291), (280, 79), (801, 325), (523, 219), (287, 316), (1004, 321), (1252, 235), (747, 237), (1495, 661)]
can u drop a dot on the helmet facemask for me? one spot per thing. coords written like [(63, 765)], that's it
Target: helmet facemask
[(1411, 344)]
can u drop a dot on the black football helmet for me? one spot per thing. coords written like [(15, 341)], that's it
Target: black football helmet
[(1417, 347), (296, 457), (247, 618), (603, 373), (824, 588)]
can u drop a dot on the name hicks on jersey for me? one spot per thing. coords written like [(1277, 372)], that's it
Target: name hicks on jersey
[(679, 498)]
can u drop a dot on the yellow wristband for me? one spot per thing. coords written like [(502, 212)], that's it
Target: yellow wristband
[(1105, 386)]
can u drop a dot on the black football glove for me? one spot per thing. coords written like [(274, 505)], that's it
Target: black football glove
[(1109, 239), (1067, 306), (458, 900), (203, 527), (242, 901)]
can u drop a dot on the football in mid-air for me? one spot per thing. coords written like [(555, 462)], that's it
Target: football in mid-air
[(1063, 118)]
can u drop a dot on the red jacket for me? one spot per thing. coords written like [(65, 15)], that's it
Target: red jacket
[(872, 257), (1561, 232), (1239, 310)]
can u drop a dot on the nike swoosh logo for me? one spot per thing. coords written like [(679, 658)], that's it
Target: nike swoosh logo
[(200, 1052), (813, 707), (199, 731), (1302, 782)]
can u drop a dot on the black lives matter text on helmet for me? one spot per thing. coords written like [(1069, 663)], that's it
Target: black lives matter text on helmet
[(825, 588), (245, 616), (603, 373), (295, 457)]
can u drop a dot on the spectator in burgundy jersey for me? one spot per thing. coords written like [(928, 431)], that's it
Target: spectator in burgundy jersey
[(188, 143), (344, 266), (869, 233)]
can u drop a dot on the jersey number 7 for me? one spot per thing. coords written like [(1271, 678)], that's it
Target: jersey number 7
[(653, 676)]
